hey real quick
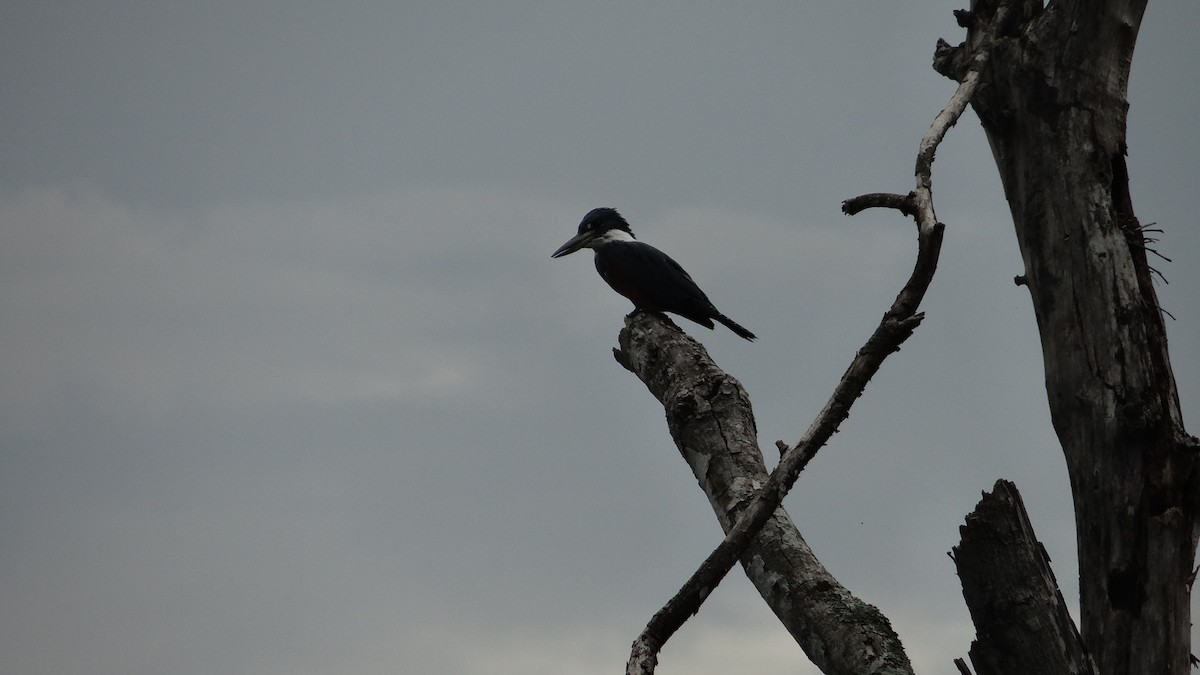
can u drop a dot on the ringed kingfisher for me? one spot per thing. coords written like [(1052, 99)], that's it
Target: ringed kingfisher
[(647, 276)]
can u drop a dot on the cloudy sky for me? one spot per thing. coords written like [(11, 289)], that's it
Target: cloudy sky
[(290, 383)]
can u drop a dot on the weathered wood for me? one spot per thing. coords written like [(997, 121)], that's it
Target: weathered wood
[(710, 419), (1022, 624), (1053, 105), (896, 326)]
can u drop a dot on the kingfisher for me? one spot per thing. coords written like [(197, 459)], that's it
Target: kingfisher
[(647, 276)]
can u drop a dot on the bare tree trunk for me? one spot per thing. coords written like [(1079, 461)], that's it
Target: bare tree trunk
[(1053, 104)]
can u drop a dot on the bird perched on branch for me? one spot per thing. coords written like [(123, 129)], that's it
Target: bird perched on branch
[(647, 276)]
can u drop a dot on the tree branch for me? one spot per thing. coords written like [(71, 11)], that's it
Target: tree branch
[(897, 325), (710, 419), (905, 204)]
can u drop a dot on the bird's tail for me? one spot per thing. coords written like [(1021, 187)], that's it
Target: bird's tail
[(735, 327)]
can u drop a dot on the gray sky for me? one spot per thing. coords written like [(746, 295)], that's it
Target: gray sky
[(291, 384)]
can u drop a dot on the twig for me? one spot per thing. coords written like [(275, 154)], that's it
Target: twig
[(883, 200)]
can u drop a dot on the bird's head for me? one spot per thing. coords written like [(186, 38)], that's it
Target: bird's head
[(597, 228)]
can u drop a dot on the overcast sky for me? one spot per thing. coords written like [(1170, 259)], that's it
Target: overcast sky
[(290, 383)]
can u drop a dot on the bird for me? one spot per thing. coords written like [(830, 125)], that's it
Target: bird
[(651, 280)]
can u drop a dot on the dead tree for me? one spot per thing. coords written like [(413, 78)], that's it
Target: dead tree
[(1053, 105), (1049, 86)]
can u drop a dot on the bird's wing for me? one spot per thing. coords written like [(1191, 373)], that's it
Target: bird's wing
[(653, 281)]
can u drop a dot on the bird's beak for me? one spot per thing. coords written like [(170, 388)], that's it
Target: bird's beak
[(573, 244)]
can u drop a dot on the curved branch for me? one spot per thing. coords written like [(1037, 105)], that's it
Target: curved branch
[(881, 200), (897, 325)]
